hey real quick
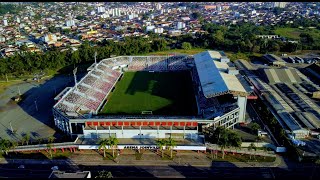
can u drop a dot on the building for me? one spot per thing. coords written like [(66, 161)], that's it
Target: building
[(150, 28), (101, 9), (158, 6), (274, 60), (181, 25), (70, 22), (49, 38), (207, 7), (279, 4), (158, 30), (221, 96), (5, 22), (268, 36)]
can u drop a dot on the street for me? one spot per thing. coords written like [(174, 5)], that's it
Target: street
[(122, 171)]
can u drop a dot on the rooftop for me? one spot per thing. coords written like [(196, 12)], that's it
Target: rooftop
[(213, 79)]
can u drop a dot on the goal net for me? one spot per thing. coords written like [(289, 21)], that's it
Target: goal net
[(146, 112)]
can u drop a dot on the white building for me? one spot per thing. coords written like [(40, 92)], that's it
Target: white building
[(279, 4), (101, 9), (105, 15), (49, 38), (149, 28), (18, 20), (70, 23), (5, 22), (181, 25), (158, 6), (158, 30), (219, 8)]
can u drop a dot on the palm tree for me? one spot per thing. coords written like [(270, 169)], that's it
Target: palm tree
[(50, 146), (161, 143), (171, 143), (252, 146), (234, 140), (113, 142), (103, 145), (282, 133), (26, 138), (51, 139), (14, 144), (223, 140), (5, 145), (39, 140)]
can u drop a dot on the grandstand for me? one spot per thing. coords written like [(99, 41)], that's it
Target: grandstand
[(111, 98)]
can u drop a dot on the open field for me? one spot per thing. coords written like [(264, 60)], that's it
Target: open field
[(168, 93), (294, 33), (178, 51)]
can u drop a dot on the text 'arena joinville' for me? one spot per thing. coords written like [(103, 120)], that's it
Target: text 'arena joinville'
[(137, 99)]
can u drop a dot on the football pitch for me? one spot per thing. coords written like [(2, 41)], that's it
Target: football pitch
[(163, 93)]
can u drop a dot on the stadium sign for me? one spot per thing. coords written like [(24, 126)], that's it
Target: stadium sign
[(142, 147)]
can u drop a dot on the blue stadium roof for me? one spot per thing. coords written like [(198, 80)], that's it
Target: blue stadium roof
[(213, 81)]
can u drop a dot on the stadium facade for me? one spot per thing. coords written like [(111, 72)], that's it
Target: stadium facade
[(220, 92)]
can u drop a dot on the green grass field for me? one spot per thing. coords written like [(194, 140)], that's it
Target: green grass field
[(178, 51), (163, 93), (294, 33)]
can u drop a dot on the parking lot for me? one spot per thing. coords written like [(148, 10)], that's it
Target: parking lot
[(33, 114)]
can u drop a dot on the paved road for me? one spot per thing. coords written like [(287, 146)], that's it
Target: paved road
[(43, 171)]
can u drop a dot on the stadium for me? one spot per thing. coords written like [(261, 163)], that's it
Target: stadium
[(139, 99)]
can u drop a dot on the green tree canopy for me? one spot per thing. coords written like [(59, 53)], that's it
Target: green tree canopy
[(186, 45)]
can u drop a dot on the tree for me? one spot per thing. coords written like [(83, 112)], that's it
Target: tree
[(252, 146), (282, 133), (104, 174), (234, 139), (39, 140), (103, 143), (5, 145), (50, 144), (186, 45), (51, 139), (171, 143), (161, 143), (26, 138), (273, 121), (222, 141), (49, 147), (255, 127), (218, 37), (113, 142)]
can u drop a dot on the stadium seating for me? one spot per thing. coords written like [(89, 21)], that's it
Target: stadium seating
[(176, 63), (104, 78), (64, 107), (156, 64), (137, 64), (92, 96)]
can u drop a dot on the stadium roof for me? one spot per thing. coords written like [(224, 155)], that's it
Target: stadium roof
[(281, 76), (215, 82)]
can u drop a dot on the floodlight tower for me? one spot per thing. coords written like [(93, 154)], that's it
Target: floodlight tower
[(95, 60), (75, 77)]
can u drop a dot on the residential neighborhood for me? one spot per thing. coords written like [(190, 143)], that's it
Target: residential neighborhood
[(42, 26)]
